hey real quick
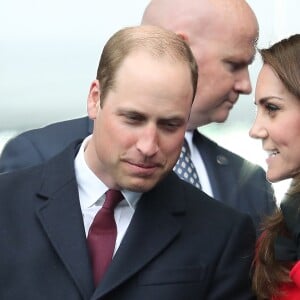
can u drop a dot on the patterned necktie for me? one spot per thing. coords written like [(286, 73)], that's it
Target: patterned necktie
[(185, 168), (102, 235)]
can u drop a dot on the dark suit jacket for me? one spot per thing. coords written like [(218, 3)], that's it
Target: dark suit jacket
[(35, 146), (234, 180), (180, 244)]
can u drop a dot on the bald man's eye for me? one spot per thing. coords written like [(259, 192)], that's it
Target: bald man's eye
[(235, 66)]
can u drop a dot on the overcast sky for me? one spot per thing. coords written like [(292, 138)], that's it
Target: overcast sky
[(50, 51)]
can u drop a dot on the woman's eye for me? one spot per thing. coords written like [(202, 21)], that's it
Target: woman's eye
[(271, 107)]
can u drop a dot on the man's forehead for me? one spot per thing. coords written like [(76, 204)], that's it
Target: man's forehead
[(241, 54), (236, 19), (232, 46), (242, 41)]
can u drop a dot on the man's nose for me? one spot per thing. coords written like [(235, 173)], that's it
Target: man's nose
[(243, 83), (147, 143)]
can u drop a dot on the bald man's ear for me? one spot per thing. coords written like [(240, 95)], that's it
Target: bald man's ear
[(183, 36), (93, 102)]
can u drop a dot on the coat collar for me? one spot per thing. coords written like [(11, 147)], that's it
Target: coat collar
[(218, 166), (90, 125), (61, 218), (60, 215)]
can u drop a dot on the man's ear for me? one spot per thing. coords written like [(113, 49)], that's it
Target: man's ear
[(183, 36), (93, 101)]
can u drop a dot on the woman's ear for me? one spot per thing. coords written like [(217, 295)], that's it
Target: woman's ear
[(93, 101)]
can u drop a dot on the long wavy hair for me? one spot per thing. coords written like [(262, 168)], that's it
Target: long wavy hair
[(268, 274)]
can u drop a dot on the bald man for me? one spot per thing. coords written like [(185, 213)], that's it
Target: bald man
[(222, 36)]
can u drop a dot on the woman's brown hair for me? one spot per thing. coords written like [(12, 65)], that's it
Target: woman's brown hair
[(284, 58)]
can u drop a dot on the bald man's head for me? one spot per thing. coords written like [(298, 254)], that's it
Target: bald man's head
[(178, 15), (222, 36)]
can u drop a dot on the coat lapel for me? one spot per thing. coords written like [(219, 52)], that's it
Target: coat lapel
[(218, 168), (90, 125), (60, 215), (152, 229)]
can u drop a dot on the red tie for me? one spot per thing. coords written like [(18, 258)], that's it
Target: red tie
[(102, 235)]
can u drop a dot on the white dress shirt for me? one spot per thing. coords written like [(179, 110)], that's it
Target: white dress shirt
[(199, 164), (92, 195)]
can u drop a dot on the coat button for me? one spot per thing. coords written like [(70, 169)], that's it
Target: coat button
[(222, 160)]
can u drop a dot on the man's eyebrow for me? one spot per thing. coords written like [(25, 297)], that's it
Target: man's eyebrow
[(241, 61), (172, 118), (251, 60), (129, 111)]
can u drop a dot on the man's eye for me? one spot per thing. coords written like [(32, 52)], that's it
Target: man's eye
[(235, 66), (134, 118), (170, 126)]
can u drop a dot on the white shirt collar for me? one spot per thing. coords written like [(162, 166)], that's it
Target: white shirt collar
[(199, 164), (91, 188), (189, 138)]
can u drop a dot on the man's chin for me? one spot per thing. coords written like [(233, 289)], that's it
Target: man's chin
[(140, 185), (221, 117)]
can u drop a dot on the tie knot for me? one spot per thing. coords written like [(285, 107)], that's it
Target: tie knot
[(112, 198), (185, 168)]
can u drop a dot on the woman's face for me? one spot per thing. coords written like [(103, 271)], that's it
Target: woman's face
[(277, 124)]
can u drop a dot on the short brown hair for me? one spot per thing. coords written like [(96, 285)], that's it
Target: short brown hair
[(155, 40)]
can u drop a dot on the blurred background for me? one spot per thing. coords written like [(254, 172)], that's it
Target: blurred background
[(50, 52)]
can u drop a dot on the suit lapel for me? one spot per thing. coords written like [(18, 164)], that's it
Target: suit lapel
[(218, 168), (60, 215), (152, 229), (90, 125)]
